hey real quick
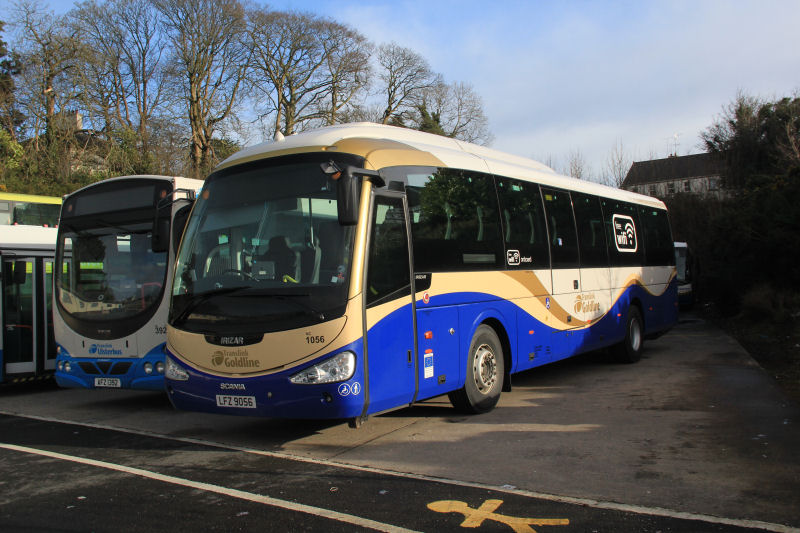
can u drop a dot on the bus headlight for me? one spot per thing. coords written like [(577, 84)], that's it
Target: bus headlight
[(67, 367), (174, 372), (340, 367), (61, 366), (160, 367), (148, 368)]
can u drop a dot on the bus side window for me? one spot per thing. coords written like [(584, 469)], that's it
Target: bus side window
[(563, 241), (456, 224), (591, 233), (524, 228), (620, 256), (658, 248)]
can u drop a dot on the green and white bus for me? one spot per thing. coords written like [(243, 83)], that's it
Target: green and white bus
[(27, 343)]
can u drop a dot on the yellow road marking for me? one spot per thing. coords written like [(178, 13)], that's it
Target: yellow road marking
[(475, 517)]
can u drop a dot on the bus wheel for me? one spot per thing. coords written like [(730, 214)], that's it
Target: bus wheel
[(630, 349), (485, 371)]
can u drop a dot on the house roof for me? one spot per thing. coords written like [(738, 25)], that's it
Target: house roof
[(673, 168)]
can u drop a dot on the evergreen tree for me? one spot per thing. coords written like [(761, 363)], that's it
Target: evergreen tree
[(430, 122)]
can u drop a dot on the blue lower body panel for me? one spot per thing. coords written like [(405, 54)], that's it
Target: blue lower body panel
[(445, 330), (272, 395), (123, 372)]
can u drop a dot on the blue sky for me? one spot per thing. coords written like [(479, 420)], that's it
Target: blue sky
[(559, 76)]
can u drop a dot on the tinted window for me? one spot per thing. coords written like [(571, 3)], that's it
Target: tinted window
[(623, 233), (591, 230), (524, 229), (388, 276), (454, 220), (658, 247), (561, 226)]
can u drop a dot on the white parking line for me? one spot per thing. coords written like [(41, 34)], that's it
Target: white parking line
[(225, 491), (586, 502)]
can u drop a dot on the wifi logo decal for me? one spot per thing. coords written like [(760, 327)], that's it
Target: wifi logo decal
[(625, 234)]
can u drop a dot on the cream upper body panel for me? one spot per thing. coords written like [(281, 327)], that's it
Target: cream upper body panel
[(384, 146), (275, 352)]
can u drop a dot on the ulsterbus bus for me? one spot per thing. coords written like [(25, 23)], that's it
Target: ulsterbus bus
[(27, 346), (354, 269), (116, 241), (29, 209)]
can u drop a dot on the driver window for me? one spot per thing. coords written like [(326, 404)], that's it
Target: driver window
[(388, 275)]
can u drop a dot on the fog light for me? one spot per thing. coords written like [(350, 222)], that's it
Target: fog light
[(160, 367), (148, 368)]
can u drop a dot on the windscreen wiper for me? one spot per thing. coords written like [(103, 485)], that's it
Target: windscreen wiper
[(202, 298), (287, 298)]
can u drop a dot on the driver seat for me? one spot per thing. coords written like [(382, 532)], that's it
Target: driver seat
[(285, 259)]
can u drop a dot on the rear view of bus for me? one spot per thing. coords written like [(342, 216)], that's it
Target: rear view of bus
[(116, 243)]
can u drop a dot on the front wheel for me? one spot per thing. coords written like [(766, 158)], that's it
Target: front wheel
[(630, 349), (485, 372)]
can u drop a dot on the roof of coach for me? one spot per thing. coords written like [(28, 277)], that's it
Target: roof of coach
[(384, 146)]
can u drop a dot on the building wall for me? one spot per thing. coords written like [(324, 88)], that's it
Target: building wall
[(701, 185)]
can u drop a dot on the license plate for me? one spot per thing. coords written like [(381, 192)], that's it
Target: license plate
[(108, 382), (232, 400)]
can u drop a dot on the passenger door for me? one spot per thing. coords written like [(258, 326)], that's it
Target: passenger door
[(389, 339), (566, 271), (24, 317), (595, 298)]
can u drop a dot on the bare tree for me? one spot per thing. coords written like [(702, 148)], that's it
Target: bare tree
[(10, 117), (576, 165), (288, 66), (48, 50), (405, 76), (126, 75), (618, 163), (208, 40), (347, 68), (789, 141), (459, 110)]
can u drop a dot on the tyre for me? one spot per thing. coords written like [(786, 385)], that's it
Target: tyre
[(485, 373), (630, 349)]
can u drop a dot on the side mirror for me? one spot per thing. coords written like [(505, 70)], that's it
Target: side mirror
[(163, 215), (347, 189), (347, 199), (179, 224), (160, 242)]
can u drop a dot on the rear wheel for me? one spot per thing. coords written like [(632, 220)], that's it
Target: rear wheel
[(485, 372), (630, 349)]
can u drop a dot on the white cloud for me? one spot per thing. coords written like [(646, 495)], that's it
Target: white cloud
[(556, 76)]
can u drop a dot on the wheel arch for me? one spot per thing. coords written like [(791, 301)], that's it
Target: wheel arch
[(505, 344), (635, 301)]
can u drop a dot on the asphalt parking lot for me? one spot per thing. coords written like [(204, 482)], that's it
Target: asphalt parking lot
[(696, 434)]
